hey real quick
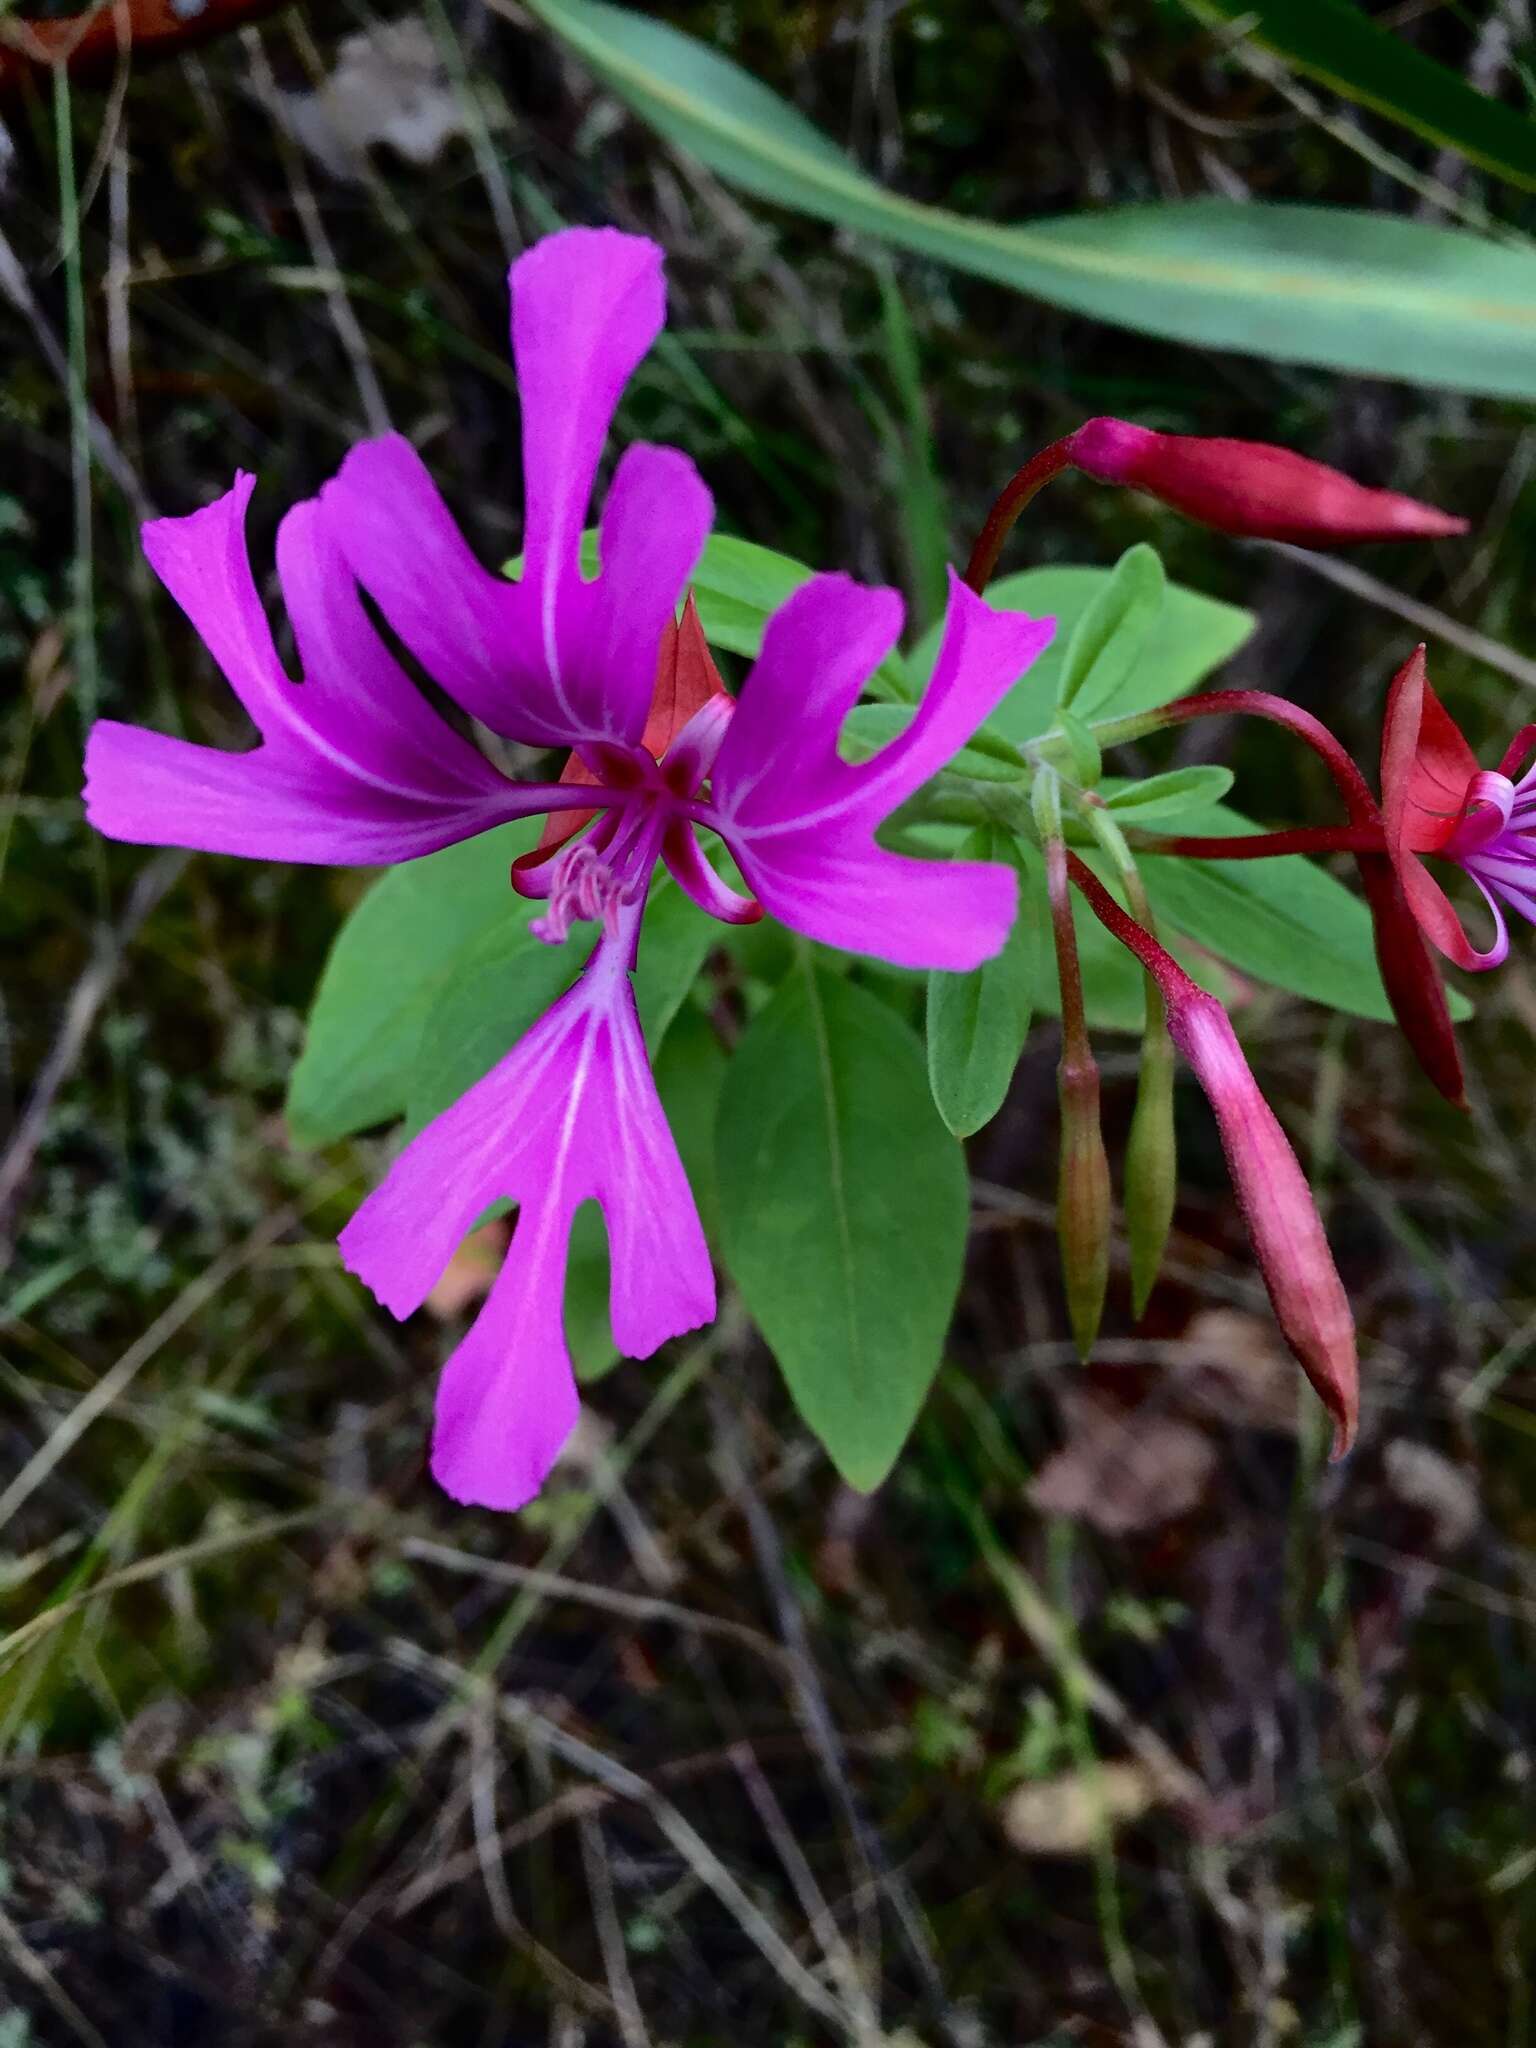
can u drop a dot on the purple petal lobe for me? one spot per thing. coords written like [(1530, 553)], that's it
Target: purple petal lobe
[(801, 821), (554, 659), (570, 1115), (354, 765), (202, 562)]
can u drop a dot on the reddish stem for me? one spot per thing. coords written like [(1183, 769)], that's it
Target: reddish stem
[(1355, 839), (1160, 964), (1347, 779), (1011, 500)]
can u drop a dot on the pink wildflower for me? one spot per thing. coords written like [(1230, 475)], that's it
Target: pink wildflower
[(355, 767)]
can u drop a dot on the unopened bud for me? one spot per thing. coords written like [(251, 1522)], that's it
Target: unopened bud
[(1309, 1300), (1083, 1200), (1151, 1161), (1250, 488)]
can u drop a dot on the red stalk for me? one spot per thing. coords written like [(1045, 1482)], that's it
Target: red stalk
[(1010, 502)]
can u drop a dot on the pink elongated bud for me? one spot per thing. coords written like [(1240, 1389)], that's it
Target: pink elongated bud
[(1305, 1290), (1250, 488)]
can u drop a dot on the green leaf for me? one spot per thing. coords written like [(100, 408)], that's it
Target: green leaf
[(869, 727), (1158, 798), (499, 988), (1192, 635), (1111, 632), (588, 1334), (1345, 289), (675, 938), (844, 1204), (690, 1074), (1285, 921), (1336, 42), (738, 586), (977, 1022), (1086, 757), (504, 982), (387, 965)]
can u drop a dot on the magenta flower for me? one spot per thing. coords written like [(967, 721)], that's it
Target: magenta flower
[(355, 767)]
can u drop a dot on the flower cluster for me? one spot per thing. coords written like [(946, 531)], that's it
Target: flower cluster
[(749, 804), (355, 766)]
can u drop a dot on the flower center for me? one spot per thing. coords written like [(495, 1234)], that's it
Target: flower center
[(595, 876)]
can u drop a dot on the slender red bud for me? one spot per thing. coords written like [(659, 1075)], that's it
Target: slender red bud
[(1309, 1301), (1250, 488)]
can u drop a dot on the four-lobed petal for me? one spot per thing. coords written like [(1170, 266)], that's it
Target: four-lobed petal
[(354, 767), (570, 1115), (801, 821), (553, 659)]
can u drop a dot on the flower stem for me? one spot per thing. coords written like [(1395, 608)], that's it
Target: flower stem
[(1266, 845), (1010, 502)]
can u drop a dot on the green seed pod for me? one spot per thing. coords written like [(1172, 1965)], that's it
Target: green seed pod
[(1083, 1200), (1151, 1157)]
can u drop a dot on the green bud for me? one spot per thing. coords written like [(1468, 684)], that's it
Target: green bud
[(1087, 762), (1151, 1158), (1083, 1199)]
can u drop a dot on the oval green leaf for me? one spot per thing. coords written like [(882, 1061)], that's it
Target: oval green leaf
[(1111, 632), (843, 1204), (977, 1023), (388, 964)]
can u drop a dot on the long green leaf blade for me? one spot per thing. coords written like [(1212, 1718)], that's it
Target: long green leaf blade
[(1332, 286), (1332, 40)]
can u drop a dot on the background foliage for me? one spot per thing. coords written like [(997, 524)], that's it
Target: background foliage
[(706, 1746)]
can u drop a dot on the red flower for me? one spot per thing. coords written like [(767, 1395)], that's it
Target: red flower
[(1436, 800)]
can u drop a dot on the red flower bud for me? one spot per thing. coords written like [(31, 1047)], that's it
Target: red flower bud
[(1248, 487), (1308, 1296)]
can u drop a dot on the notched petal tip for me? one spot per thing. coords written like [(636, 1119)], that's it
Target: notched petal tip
[(164, 536), (369, 1259)]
